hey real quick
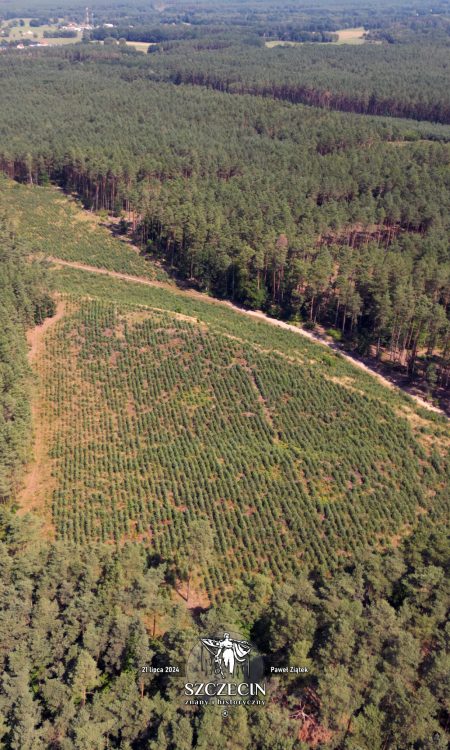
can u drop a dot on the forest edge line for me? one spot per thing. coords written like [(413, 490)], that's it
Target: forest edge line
[(258, 314)]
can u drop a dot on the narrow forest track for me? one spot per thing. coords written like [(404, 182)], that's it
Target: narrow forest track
[(259, 315), (35, 336), (34, 493), (349, 357)]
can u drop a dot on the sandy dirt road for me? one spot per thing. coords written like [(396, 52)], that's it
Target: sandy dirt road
[(34, 492)]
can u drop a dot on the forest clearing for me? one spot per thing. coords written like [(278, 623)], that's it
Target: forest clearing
[(226, 364), (351, 36), (116, 476), (132, 352), (344, 36)]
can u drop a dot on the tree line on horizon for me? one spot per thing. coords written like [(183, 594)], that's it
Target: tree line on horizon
[(408, 81)]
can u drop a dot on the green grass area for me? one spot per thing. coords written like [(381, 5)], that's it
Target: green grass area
[(345, 36), (335, 334), (59, 41), (155, 419), (54, 224), (18, 33), (281, 43)]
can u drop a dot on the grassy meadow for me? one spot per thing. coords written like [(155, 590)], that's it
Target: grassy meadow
[(18, 33), (345, 36)]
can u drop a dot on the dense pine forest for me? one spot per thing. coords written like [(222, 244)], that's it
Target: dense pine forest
[(385, 81), (74, 633), (248, 153), (330, 218)]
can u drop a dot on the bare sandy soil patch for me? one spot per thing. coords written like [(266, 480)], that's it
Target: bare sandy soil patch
[(38, 481), (351, 36)]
